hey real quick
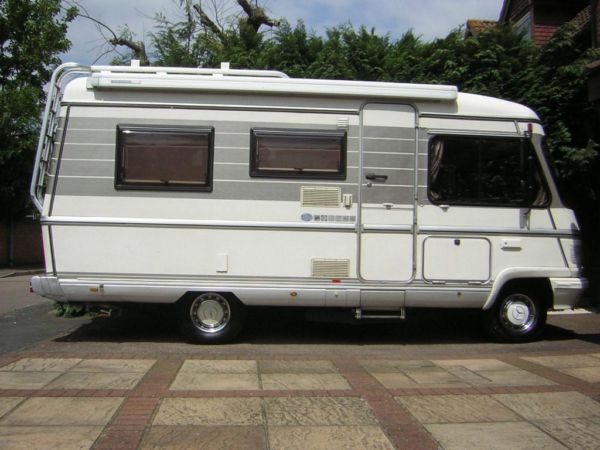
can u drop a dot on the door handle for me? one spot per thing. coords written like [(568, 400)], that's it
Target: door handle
[(373, 176)]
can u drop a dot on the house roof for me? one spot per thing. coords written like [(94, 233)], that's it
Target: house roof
[(505, 8), (476, 26), (583, 18)]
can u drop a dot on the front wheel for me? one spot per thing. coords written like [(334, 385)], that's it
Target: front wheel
[(210, 318), (517, 316)]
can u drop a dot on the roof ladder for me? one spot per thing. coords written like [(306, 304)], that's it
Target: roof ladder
[(48, 132)]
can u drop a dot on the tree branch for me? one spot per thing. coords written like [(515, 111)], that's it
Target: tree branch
[(208, 23), (257, 16), (137, 47)]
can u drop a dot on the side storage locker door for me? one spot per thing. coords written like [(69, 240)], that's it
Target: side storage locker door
[(387, 192)]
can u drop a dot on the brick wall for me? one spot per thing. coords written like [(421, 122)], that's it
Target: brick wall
[(542, 33), (27, 243)]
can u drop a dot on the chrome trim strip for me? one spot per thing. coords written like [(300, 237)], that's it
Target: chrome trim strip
[(387, 228), (299, 226), (107, 104), (497, 231), (450, 131), (70, 278), (172, 223), (484, 118)]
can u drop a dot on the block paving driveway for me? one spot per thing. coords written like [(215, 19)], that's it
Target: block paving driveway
[(104, 391)]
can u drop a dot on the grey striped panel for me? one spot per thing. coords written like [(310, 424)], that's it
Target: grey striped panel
[(386, 145), (233, 148), (94, 151), (221, 190), (93, 168), (396, 195), (225, 126), (388, 132), (395, 177), (96, 136), (388, 160), (87, 168)]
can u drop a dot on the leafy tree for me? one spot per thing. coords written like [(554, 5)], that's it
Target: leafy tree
[(32, 34)]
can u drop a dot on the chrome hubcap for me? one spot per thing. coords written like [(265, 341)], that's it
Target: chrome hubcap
[(210, 313), (518, 312)]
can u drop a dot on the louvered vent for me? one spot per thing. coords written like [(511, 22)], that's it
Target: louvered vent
[(324, 196), (330, 268)]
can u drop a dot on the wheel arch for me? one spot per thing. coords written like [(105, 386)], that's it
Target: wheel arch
[(514, 278), (195, 293)]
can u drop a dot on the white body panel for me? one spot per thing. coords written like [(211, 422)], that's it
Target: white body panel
[(253, 237)]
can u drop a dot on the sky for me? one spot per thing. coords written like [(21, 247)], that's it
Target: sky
[(427, 18)]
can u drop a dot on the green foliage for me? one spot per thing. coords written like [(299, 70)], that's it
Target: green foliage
[(62, 309), (32, 33)]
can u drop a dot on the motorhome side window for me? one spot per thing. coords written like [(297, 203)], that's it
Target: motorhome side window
[(164, 158), (298, 153), (483, 171)]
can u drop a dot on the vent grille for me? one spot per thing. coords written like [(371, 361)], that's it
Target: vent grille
[(322, 196), (330, 268)]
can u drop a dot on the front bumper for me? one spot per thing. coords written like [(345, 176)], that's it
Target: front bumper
[(567, 291)]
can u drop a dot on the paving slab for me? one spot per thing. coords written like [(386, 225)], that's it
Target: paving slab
[(95, 380), (315, 411), (431, 376), (209, 411), (587, 374), (516, 377), (392, 380), (303, 381), (550, 405), (42, 365), (282, 366), (26, 380), (565, 361), (9, 403), (475, 364), (219, 366), (492, 436), (48, 437), (394, 366), (581, 433), (328, 438), (456, 409), (114, 365), (190, 381), (66, 411), (204, 437)]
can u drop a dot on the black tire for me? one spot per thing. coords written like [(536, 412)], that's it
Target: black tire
[(210, 317), (518, 315)]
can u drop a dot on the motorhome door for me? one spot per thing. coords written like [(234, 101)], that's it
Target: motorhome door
[(387, 192)]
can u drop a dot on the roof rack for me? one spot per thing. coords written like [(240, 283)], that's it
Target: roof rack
[(225, 70)]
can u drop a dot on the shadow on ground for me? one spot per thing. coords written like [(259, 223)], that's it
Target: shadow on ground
[(290, 326)]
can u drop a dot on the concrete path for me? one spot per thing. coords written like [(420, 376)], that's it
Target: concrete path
[(15, 294), (27, 318)]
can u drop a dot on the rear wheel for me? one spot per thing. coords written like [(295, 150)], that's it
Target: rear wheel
[(518, 315), (211, 318)]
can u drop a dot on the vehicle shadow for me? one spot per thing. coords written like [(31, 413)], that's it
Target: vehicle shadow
[(285, 326)]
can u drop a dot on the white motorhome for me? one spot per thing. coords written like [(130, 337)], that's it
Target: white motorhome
[(217, 190)]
